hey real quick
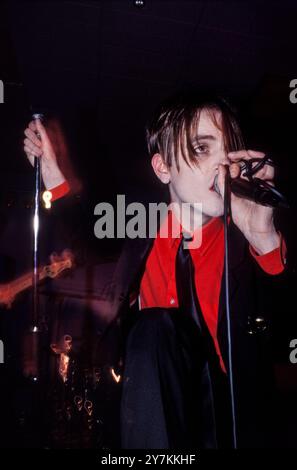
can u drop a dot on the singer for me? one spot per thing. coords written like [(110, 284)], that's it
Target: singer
[(175, 355)]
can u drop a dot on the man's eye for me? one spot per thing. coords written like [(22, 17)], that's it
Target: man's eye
[(201, 149)]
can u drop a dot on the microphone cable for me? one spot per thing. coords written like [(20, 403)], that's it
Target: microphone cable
[(227, 211)]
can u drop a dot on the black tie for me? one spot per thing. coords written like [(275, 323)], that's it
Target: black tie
[(188, 300)]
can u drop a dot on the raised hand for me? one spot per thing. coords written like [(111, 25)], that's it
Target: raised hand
[(254, 220), (37, 143)]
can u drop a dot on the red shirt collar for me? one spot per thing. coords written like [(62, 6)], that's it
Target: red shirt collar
[(209, 232)]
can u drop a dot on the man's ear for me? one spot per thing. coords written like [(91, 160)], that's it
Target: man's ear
[(160, 168)]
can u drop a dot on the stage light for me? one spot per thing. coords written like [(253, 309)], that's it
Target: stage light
[(139, 3)]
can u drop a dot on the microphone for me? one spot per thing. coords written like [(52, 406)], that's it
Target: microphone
[(256, 190)]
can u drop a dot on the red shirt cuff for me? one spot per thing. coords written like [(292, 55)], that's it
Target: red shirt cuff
[(273, 262), (60, 191)]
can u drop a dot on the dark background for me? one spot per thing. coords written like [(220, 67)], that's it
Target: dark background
[(100, 68)]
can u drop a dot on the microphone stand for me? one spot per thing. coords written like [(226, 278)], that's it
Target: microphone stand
[(35, 300), (35, 366), (32, 367)]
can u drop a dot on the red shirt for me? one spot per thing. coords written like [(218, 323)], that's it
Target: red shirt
[(158, 284)]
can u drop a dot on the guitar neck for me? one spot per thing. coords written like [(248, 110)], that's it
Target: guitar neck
[(25, 281), (9, 291)]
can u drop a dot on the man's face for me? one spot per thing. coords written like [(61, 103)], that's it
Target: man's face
[(195, 183)]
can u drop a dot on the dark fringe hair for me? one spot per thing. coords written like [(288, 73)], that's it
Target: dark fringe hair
[(174, 124)]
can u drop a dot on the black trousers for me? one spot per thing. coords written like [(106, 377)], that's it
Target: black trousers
[(173, 397)]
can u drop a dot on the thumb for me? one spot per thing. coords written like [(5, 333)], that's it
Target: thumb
[(221, 179), (42, 132)]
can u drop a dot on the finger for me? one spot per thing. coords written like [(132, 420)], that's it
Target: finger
[(33, 148), (33, 137), (29, 155), (235, 170), (245, 155), (32, 126), (256, 154), (239, 155), (28, 150), (221, 179), (266, 173), (42, 132)]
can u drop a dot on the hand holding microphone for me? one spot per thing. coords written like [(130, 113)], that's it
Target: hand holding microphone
[(253, 197), (252, 188)]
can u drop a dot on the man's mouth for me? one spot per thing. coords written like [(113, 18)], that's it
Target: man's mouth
[(214, 187)]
